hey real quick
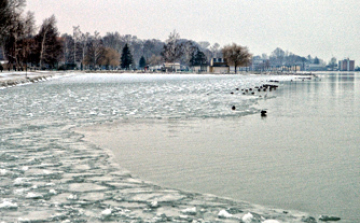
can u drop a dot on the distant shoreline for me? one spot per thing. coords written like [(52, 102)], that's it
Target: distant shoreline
[(14, 78)]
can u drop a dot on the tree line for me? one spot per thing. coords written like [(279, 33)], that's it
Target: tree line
[(25, 45), (280, 60), (21, 44)]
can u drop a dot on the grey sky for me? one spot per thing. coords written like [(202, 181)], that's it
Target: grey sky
[(322, 28)]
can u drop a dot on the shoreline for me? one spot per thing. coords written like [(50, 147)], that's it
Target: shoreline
[(15, 78), (11, 79)]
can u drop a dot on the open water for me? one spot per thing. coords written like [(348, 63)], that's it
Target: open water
[(178, 132)]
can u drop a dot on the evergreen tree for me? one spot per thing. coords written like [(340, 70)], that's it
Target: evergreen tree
[(142, 62), (316, 60), (200, 59), (126, 57)]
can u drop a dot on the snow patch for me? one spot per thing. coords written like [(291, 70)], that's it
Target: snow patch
[(32, 195), (8, 204)]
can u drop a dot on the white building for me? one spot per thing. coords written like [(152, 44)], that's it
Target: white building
[(218, 66), (172, 67)]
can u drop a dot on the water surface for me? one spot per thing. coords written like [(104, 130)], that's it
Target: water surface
[(304, 155), (179, 132)]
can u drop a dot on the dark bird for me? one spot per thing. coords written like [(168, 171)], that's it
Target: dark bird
[(263, 113), (233, 108)]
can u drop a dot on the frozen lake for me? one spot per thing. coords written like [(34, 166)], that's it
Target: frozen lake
[(304, 155), (178, 132)]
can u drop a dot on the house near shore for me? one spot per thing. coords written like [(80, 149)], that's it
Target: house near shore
[(315, 67), (218, 66), (257, 63), (172, 66), (200, 68)]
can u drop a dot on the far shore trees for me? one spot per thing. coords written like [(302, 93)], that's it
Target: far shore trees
[(236, 55), (333, 63), (22, 44), (98, 49), (5, 20), (173, 49), (12, 30), (155, 60), (142, 62), (198, 58), (126, 58), (277, 57), (95, 52), (49, 45), (110, 58)]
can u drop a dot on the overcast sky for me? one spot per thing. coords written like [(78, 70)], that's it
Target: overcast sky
[(322, 28)]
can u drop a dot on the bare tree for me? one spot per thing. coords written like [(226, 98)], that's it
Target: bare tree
[(29, 31), (50, 47), (333, 63), (76, 37), (110, 58), (95, 51), (215, 50), (236, 55), (97, 47), (136, 46), (13, 29), (190, 49), (84, 43), (173, 49), (5, 19), (278, 56), (155, 60), (68, 43)]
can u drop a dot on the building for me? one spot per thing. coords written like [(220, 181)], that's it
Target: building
[(257, 63), (200, 68), (315, 67), (347, 65), (172, 67), (218, 66)]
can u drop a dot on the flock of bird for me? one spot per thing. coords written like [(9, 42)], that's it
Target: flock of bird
[(251, 91)]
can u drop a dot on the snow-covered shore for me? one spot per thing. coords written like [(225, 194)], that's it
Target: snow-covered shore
[(13, 78)]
